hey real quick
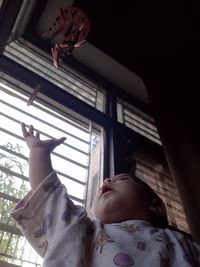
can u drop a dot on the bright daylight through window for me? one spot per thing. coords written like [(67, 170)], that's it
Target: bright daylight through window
[(77, 161)]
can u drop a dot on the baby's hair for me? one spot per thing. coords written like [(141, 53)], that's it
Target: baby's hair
[(157, 213)]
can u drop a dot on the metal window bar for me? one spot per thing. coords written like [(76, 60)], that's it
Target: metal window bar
[(64, 78), (47, 135), (36, 66), (42, 61), (22, 177), (7, 226), (12, 90), (46, 123), (144, 119), (18, 109), (53, 153), (137, 121), (50, 77), (143, 125)]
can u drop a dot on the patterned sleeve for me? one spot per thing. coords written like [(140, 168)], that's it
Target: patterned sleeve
[(187, 250), (191, 251), (44, 212)]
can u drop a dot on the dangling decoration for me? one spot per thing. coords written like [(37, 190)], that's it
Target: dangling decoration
[(34, 95), (72, 26)]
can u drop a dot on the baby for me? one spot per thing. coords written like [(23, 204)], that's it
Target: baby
[(130, 229)]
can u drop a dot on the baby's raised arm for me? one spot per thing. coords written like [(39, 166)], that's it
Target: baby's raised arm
[(39, 158)]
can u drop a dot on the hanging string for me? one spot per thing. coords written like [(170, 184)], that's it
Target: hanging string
[(37, 88)]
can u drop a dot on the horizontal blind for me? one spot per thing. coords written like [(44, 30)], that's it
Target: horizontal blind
[(62, 77), (137, 120)]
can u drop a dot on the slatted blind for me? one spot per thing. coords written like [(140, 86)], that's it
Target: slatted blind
[(137, 120), (40, 63)]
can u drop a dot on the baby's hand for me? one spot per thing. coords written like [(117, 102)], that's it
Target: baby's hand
[(33, 140)]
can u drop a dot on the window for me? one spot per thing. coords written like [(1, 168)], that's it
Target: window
[(137, 120), (40, 63), (77, 161)]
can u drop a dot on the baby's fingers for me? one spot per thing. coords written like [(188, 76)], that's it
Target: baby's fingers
[(37, 134), (24, 131), (30, 130)]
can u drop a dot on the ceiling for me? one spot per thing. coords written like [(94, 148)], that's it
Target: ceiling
[(130, 42)]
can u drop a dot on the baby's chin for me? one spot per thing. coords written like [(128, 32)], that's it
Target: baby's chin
[(112, 215), (112, 219)]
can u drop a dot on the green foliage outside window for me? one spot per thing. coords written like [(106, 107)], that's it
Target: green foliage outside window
[(10, 185)]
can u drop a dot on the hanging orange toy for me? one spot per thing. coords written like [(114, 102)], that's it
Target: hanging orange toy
[(72, 27)]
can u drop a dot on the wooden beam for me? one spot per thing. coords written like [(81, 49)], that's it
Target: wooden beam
[(8, 15)]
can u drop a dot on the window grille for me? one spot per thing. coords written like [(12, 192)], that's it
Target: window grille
[(137, 120), (77, 160), (40, 63)]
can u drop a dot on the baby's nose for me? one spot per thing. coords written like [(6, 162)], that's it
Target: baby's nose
[(107, 181)]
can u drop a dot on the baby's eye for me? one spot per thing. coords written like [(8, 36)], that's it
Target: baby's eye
[(124, 178)]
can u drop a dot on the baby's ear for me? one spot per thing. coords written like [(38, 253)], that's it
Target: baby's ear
[(158, 208)]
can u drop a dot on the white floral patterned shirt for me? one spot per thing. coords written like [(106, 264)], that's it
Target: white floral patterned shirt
[(62, 233)]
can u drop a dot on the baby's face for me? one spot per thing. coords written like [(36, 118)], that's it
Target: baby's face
[(119, 199)]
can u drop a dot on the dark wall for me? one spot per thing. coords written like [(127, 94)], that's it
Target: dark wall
[(8, 15)]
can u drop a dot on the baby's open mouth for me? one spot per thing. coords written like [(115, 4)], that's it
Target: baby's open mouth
[(105, 189)]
